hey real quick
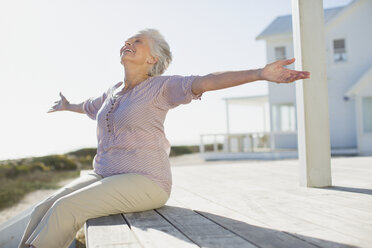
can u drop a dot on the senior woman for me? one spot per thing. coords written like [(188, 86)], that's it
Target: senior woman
[(131, 168)]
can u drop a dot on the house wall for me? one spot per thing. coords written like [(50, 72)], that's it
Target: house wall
[(352, 25), (281, 93), (364, 139)]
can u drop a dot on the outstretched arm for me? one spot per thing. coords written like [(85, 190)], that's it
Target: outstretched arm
[(274, 72), (64, 104)]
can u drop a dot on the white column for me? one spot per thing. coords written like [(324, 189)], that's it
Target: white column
[(227, 118), (215, 148), (201, 146), (312, 94), (227, 143), (264, 117)]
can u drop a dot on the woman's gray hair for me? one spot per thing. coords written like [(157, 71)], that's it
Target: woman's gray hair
[(159, 48)]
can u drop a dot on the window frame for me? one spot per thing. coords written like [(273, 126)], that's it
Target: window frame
[(277, 122), (334, 53), (363, 116), (275, 53)]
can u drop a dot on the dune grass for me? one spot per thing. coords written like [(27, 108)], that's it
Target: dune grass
[(21, 176), (12, 190)]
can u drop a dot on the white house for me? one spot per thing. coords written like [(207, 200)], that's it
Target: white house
[(348, 39)]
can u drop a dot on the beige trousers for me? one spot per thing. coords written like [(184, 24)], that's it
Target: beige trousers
[(55, 221)]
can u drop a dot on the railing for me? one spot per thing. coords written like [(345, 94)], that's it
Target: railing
[(238, 142)]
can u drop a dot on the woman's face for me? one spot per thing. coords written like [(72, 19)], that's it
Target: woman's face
[(136, 50)]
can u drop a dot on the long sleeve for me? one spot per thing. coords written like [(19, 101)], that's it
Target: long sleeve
[(176, 90), (93, 104)]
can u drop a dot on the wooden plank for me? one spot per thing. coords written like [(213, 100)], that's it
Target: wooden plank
[(152, 230), (256, 232), (295, 227), (211, 181), (204, 232), (109, 231), (284, 185)]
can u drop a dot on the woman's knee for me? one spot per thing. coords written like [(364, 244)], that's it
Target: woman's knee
[(65, 209)]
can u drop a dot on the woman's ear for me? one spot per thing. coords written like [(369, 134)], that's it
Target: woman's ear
[(152, 60)]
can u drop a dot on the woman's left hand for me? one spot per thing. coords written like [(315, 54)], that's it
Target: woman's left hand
[(275, 72)]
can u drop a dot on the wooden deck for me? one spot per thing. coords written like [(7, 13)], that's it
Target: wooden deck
[(252, 204)]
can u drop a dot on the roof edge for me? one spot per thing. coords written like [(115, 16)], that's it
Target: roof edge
[(344, 9), (359, 85)]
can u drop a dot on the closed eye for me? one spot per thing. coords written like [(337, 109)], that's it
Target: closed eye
[(137, 40)]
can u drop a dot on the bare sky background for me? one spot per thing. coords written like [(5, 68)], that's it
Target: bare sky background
[(73, 46)]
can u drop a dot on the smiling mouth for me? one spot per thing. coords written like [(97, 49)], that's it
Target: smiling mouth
[(127, 51)]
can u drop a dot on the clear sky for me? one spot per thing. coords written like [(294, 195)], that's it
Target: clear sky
[(73, 47)]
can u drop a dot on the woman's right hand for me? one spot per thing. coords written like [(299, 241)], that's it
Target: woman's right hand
[(60, 105)]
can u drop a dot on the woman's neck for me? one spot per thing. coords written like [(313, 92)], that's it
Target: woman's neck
[(132, 78)]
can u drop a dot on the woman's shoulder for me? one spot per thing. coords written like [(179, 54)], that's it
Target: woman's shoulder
[(160, 80), (163, 78)]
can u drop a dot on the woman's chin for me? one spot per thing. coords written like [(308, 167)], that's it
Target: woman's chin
[(123, 61)]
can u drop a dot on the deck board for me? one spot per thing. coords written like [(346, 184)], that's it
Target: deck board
[(252, 204), (115, 226), (269, 193), (204, 232), (152, 230), (256, 232)]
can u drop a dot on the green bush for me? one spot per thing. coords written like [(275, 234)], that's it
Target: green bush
[(32, 167), (85, 161), (84, 152), (9, 171), (210, 147), (13, 189), (180, 150), (57, 162)]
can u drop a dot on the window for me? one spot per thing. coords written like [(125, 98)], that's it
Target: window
[(280, 53), (367, 114), (339, 51), (284, 118)]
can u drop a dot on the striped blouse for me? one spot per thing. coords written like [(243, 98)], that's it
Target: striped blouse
[(130, 127)]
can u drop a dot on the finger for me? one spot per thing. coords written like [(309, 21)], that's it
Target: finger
[(291, 79), (62, 96), (299, 73), (302, 75), (295, 77), (288, 61), (118, 84), (306, 74)]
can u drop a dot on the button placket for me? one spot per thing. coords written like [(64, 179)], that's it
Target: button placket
[(116, 100), (109, 124)]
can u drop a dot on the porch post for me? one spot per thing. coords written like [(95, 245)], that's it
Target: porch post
[(201, 146), (311, 94), (227, 127)]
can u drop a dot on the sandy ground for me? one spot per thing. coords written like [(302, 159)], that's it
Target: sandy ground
[(28, 201), (34, 197)]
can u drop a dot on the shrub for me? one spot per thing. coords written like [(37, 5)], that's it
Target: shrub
[(180, 150), (84, 152), (57, 162), (8, 171), (12, 190)]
